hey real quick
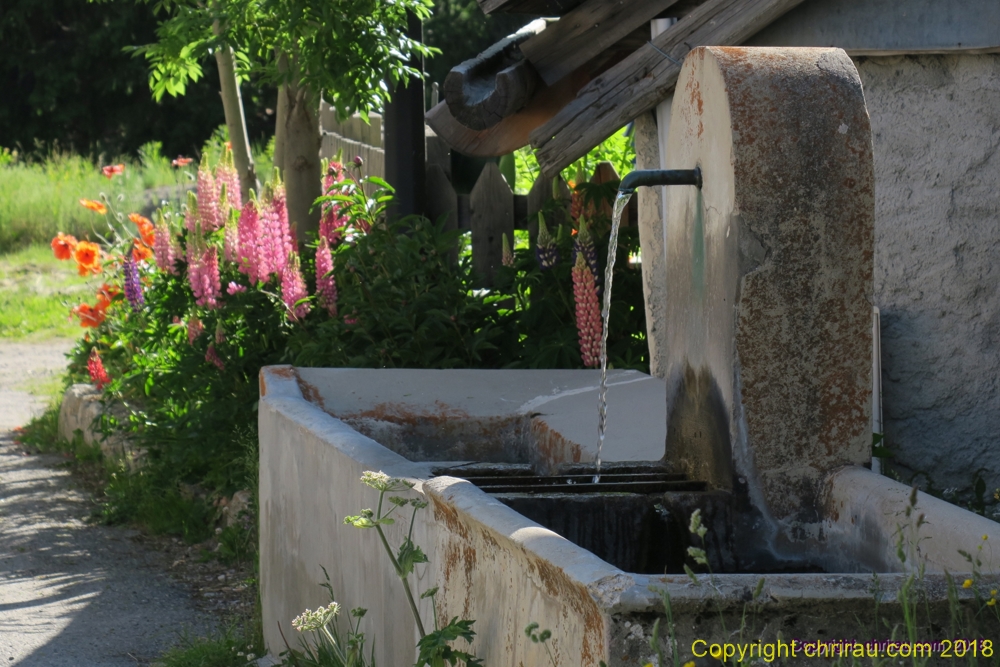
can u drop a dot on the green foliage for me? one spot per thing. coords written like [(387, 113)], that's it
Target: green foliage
[(352, 52), (232, 647), (618, 149), (435, 648), (67, 83)]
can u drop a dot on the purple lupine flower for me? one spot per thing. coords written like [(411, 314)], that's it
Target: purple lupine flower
[(133, 288), (546, 251), (584, 244)]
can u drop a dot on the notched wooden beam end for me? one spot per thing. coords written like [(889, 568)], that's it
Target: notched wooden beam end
[(497, 83)]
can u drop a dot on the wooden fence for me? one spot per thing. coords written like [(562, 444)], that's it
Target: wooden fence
[(490, 210)]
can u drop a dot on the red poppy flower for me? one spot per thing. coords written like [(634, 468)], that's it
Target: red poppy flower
[(113, 170)]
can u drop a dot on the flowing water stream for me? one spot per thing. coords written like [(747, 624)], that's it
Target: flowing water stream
[(602, 412)]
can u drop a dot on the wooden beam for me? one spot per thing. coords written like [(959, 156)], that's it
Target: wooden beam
[(495, 84), (585, 32), (532, 7), (513, 131), (641, 81)]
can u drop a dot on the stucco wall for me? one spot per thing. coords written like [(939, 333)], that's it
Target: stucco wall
[(936, 127)]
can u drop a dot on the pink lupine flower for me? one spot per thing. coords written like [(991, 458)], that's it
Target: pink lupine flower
[(275, 235), (163, 248), (204, 278), (194, 329), (588, 314), (95, 367), (326, 286), (209, 210), (191, 215), (293, 288), (231, 241), (234, 288), (212, 357), (248, 240), (227, 178)]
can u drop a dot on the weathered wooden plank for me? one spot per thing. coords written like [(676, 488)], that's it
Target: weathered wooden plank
[(586, 32), (639, 82), (492, 205)]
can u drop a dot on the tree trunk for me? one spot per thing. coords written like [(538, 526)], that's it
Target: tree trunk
[(232, 104), (280, 135), (301, 170)]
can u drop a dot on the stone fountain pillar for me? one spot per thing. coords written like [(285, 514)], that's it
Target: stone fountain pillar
[(767, 345)]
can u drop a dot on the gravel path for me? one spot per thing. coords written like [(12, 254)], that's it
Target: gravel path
[(72, 593)]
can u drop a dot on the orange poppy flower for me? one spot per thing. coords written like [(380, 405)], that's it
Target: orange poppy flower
[(113, 170), (141, 251), (94, 205), (88, 257), (181, 161), (63, 245), (106, 295), (145, 225), (89, 316)]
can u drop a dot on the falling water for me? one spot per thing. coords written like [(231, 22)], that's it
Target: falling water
[(602, 413)]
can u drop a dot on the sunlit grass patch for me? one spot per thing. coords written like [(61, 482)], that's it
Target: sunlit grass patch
[(37, 292)]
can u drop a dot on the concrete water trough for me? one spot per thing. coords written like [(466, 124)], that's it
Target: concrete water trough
[(761, 425)]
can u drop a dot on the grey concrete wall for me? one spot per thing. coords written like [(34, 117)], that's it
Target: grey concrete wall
[(936, 127)]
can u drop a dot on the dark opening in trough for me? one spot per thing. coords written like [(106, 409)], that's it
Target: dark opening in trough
[(635, 518)]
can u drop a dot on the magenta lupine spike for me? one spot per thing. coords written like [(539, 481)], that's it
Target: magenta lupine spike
[(212, 357), (293, 288), (206, 285), (209, 210), (332, 220), (588, 314), (194, 329), (225, 175), (163, 247), (326, 285), (248, 239), (284, 229)]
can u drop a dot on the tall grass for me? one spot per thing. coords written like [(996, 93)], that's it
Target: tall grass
[(40, 198)]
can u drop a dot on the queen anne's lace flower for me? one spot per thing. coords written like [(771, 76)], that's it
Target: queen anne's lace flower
[(311, 621), (377, 480)]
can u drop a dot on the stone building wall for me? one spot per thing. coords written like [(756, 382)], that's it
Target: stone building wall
[(936, 131), (936, 128)]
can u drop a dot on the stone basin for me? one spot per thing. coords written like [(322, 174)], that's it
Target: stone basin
[(509, 559)]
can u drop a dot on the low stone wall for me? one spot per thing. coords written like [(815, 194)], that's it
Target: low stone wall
[(80, 410)]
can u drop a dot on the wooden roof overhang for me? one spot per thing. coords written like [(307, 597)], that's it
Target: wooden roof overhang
[(568, 84)]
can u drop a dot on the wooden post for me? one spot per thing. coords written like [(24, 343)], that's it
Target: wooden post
[(492, 205), (405, 167), (441, 201)]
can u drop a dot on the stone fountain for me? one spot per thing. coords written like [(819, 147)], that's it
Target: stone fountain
[(762, 422)]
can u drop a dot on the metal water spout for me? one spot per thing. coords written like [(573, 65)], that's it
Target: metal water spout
[(647, 177)]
